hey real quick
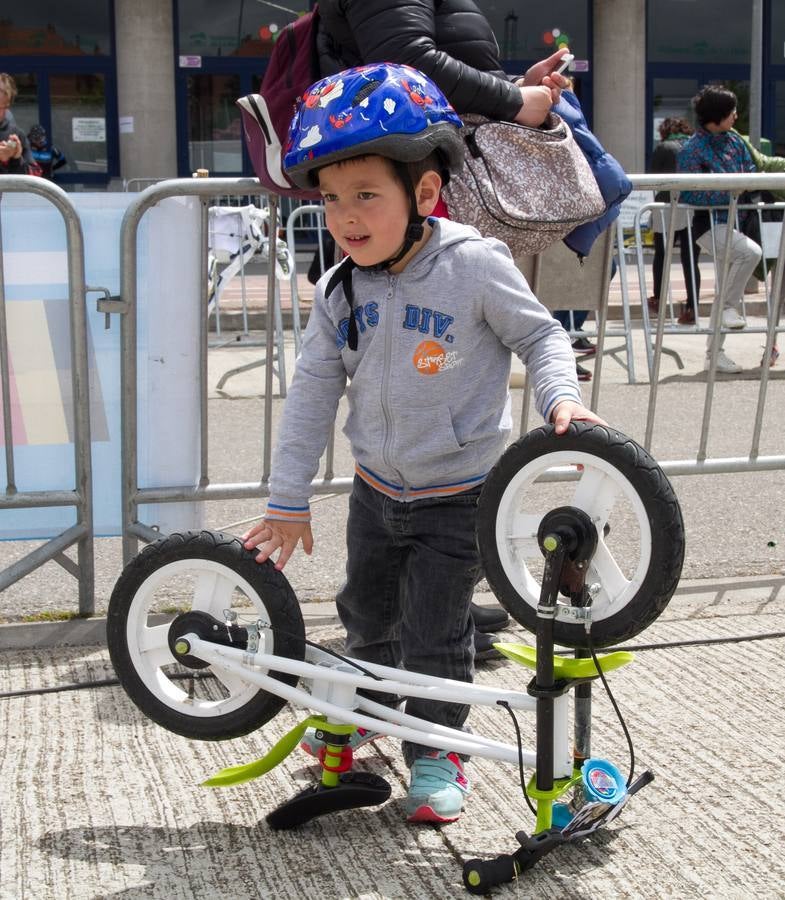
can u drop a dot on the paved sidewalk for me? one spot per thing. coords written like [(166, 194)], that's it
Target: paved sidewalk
[(100, 802)]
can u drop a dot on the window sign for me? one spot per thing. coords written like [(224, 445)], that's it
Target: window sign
[(86, 130)]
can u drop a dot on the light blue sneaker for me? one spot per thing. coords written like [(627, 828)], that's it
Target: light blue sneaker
[(438, 788), (312, 745)]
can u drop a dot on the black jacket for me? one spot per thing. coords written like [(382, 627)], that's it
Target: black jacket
[(450, 41), (665, 160)]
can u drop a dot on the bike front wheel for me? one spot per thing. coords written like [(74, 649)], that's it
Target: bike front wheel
[(640, 551)]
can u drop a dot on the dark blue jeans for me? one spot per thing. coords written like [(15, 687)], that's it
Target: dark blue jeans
[(411, 570)]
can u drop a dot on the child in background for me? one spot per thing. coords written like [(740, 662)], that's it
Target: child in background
[(48, 157), (420, 320)]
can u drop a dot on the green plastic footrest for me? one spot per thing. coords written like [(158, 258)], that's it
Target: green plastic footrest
[(565, 666)]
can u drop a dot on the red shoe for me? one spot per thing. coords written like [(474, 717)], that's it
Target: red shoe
[(583, 374), (654, 304)]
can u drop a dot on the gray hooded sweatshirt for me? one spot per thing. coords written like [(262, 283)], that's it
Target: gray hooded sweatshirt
[(429, 405)]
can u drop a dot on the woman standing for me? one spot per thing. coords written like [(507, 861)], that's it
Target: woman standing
[(674, 133)]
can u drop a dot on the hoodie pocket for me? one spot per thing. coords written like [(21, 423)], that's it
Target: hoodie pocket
[(425, 448)]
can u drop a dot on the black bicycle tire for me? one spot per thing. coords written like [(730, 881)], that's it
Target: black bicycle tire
[(280, 602), (662, 509)]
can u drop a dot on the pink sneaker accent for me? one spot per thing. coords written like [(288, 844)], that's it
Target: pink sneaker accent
[(438, 788)]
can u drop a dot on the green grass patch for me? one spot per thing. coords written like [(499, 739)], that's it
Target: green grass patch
[(54, 615)]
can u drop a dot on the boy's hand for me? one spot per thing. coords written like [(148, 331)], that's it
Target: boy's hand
[(271, 534), (568, 410)]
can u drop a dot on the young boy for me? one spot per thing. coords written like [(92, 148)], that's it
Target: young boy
[(48, 157), (420, 320)]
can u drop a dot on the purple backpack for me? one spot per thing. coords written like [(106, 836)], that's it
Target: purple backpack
[(293, 67)]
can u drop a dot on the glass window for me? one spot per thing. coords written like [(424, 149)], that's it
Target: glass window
[(779, 118), (232, 27), (777, 33), (699, 31), (529, 31), (79, 120), (214, 128), (25, 107), (55, 28), (672, 97)]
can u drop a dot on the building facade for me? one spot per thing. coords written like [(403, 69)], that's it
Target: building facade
[(145, 89)]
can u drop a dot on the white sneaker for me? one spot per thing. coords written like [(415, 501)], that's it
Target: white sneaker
[(725, 364), (732, 319)]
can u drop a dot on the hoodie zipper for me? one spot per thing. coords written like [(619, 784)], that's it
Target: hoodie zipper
[(389, 314)]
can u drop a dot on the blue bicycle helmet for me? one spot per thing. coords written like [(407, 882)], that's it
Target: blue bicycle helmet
[(391, 110), (383, 109)]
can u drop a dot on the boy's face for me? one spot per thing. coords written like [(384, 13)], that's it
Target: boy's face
[(366, 208)]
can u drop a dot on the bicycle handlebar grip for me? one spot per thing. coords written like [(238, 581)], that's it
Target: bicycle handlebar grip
[(480, 875)]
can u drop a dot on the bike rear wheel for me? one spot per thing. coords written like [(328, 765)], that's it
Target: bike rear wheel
[(210, 573)]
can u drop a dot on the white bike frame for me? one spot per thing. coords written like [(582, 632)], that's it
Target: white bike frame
[(333, 692)]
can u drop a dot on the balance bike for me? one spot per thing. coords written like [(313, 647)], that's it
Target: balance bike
[(582, 542)]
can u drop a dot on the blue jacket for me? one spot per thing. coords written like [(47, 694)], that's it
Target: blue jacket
[(710, 153), (613, 183)]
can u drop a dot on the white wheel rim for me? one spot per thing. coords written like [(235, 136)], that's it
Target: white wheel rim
[(599, 488), (148, 645)]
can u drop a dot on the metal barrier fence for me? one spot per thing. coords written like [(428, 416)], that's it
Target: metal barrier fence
[(133, 496), (329, 483), (735, 185), (81, 497)]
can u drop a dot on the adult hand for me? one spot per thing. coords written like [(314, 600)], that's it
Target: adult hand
[(542, 73), (15, 145), (567, 410), (7, 151), (536, 106), (271, 535)]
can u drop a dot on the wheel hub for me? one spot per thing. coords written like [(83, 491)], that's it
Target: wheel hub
[(578, 535), (206, 627)]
